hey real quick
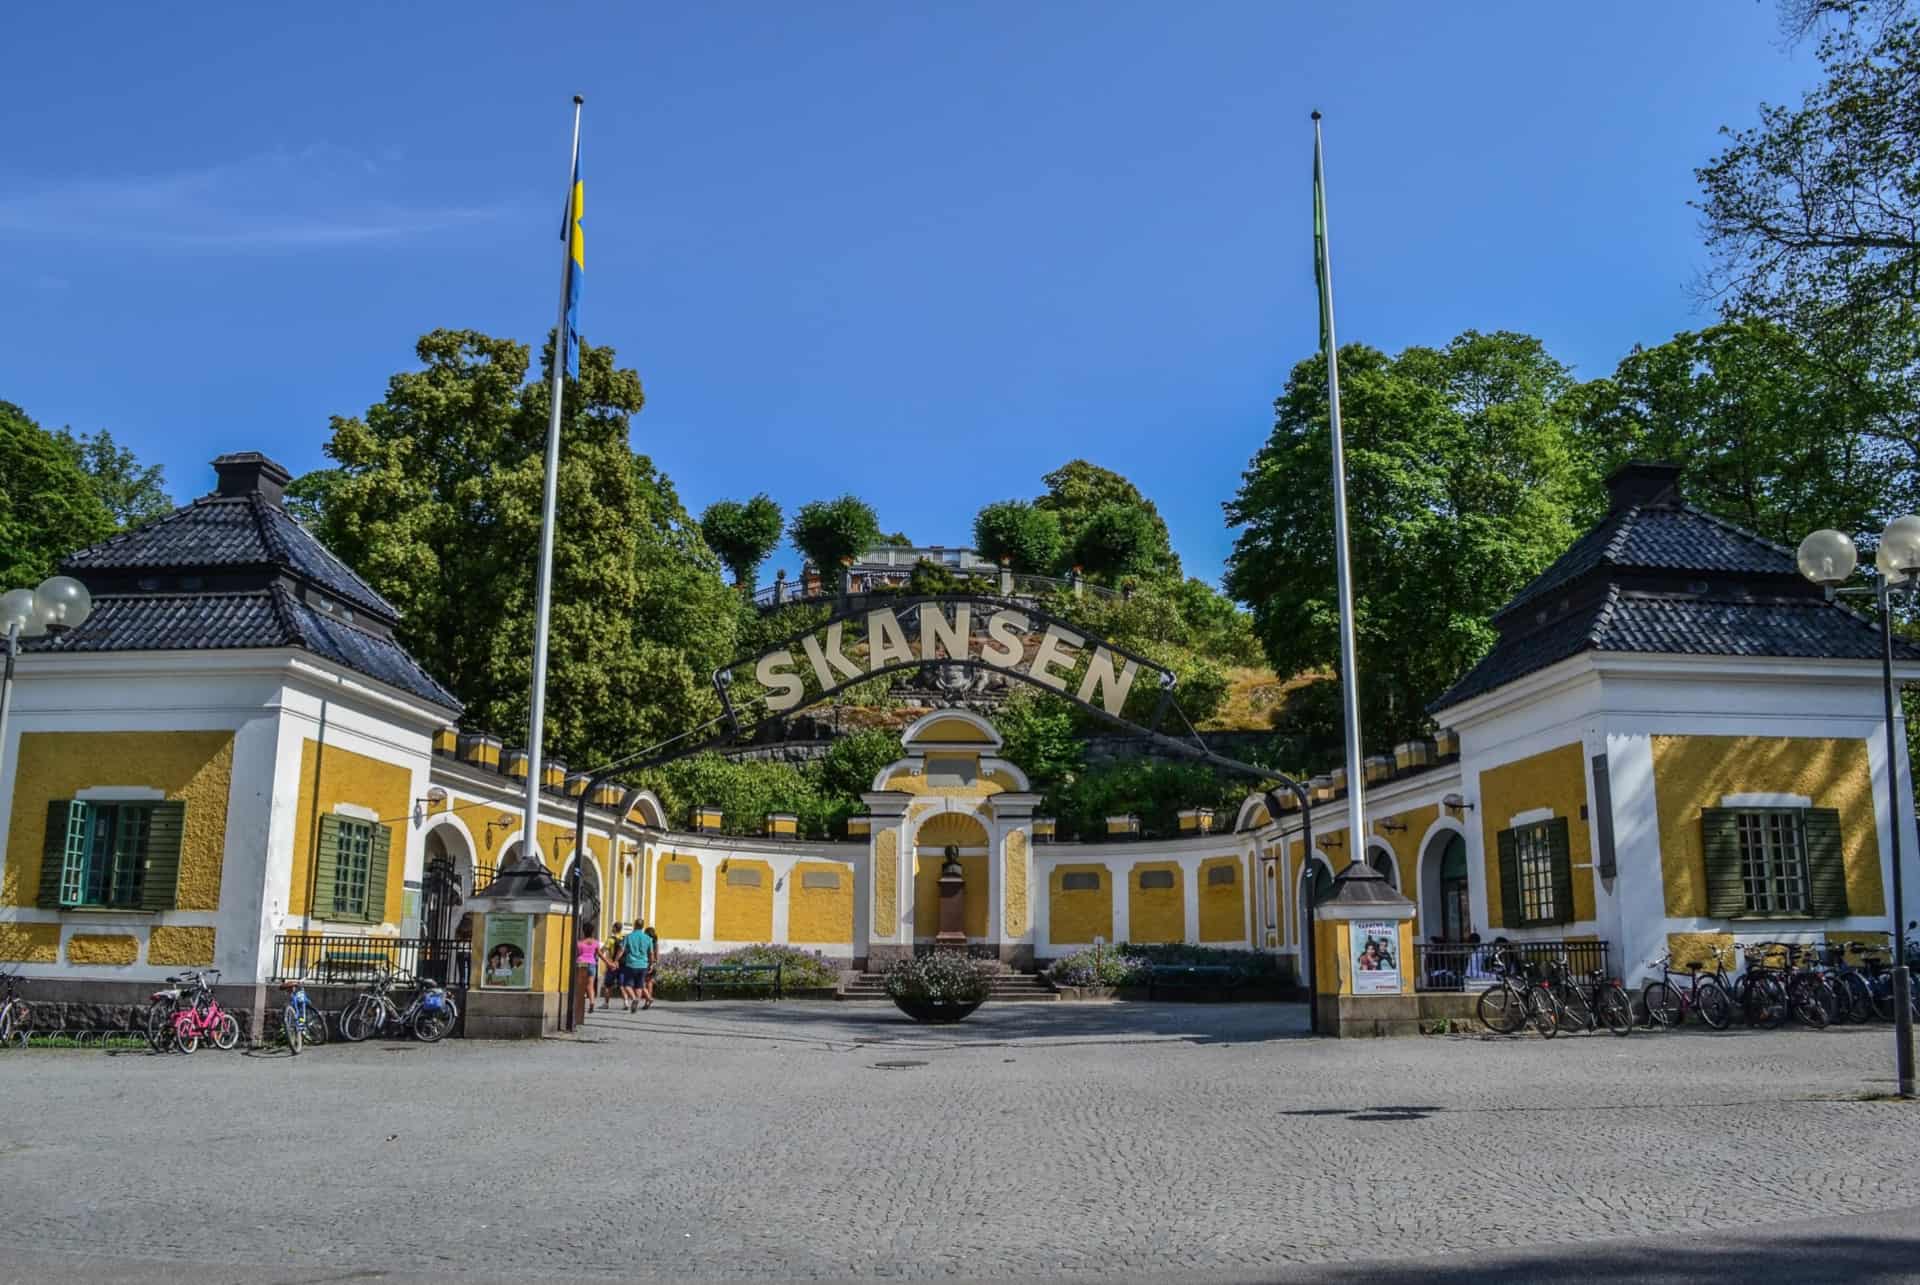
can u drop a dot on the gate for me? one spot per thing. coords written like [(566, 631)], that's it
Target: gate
[(440, 901)]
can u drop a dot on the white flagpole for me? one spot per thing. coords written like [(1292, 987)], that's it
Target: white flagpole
[(536, 722), (1343, 572)]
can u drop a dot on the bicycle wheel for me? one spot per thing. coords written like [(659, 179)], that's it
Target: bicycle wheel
[(1503, 1010), (1575, 1011), (430, 1025), (1616, 1010), (1662, 1003), (186, 1041), (1542, 1013), (226, 1033), (313, 1027), (1858, 998), (16, 1022), (1766, 1002), (1808, 1002), (159, 1026), (290, 1025), (357, 1022), (1716, 1010)]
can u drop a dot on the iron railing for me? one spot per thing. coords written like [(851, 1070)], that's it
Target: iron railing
[(1469, 966), (340, 959), (894, 579)]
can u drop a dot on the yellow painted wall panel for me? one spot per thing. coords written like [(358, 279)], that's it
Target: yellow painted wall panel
[(1557, 779), (1076, 918), (742, 912), (30, 943), (1015, 867), (1223, 907), (176, 945), (331, 776), (676, 909), (1694, 772), (1156, 915), (1700, 948), (193, 767), (103, 948), (820, 914), (886, 880)]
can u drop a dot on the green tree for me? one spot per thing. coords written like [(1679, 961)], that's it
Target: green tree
[(855, 759), (436, 500), (829, 531), (1765, 440), (1118, 541), (1026, 536), (1077, 490), (1042, 736), (1463, 482), (132, 492), (48, 505), (742, 534)]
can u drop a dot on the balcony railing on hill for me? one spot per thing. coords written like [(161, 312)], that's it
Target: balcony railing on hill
[(785, 592), (1468, 966)]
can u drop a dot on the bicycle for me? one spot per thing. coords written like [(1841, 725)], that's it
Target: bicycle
[(1854, 986), (1507, 1005), (16, 1015), (429, 1017), (177, 1019), (1593, 1000), (300, 1022), (1667, 1005), (1805, 993)]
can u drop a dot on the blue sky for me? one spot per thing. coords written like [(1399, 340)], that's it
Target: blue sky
[(923, 253)]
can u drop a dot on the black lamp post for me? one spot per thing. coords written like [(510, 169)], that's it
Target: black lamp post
[(1827, 558)]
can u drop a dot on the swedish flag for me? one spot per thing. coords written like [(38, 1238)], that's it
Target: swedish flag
[(576, 267)]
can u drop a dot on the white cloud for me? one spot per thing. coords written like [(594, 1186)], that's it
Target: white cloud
[(317, 197)]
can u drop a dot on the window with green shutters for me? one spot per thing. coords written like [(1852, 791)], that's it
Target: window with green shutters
[(111, 855), (1774, 862), (1536, 874), (350, 875)]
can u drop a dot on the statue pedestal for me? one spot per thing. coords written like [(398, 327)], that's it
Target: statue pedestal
[(953, 909), (1363, 959)]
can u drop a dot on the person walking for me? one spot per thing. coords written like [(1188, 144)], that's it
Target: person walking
[(610, 965), (586, 956), (653, 960), (636, 958)]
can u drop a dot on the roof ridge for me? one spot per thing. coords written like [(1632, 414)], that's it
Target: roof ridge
[(282, 599), (1603, 618), (1736, 528), (374, 596), (276, 546)]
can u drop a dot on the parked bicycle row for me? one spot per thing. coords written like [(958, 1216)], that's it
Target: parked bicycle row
[(1779, 981)]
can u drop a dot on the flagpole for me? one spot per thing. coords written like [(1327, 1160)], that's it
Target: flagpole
[(536, 721), (1343, 571)]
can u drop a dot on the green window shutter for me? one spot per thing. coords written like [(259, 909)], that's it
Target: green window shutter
[(1509, 879), (63, 856), (1558, 844), (377, 875), (1720, 843), (160, 879), (1826, 864), (326, 862)]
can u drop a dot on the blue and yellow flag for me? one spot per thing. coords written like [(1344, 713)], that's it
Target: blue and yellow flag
[(576, 268)]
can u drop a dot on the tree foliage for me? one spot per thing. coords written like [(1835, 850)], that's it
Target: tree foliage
[(436, 500), (1077, 490), (1463, 482), (828, 532), (742, 534), (1120, 541), (1021, 534), (48, 505), (132, 492)]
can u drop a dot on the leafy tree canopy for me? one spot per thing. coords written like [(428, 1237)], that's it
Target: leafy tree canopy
[(1026, 536), (828, 532), (742, 534), (1119, 542), (133, 492), (1463, 482), (435, 500), (48, 505), (1077, 490)]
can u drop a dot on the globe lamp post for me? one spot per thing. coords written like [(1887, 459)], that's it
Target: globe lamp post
[(1827, 558), (59, 603)]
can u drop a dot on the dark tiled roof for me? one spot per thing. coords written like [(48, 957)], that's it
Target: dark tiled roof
[(270, 617), (221, 531)]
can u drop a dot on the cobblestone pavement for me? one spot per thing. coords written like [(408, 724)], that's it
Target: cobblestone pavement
[(737, 1140)]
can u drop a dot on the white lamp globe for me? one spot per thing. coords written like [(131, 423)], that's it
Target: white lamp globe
[(1827, 557), (1899, 554), (64, 601), (16, 611)]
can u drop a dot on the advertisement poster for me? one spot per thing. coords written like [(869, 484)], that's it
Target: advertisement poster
[(509, 941), (1376, 957)]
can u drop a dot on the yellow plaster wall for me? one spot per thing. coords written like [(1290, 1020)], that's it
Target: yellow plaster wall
[(1076, 918), (1693, 772), (886, 880), (330, 776), (984, 785), (178, 946), (676, 906), (490, 845), (194, 767), (926, 891), (1016, 875), (818, 914), (740, 913), (1223, 908), (30, 943), (1700, 948), (103, 948), (1557, 779), (1406, 843), (1156, 915)]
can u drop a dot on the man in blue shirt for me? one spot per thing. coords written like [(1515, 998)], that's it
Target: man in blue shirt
[(636, 959)]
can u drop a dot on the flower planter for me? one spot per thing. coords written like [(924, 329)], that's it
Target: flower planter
[(937, 1010)]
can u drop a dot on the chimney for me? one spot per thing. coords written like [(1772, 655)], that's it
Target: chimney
[(1640, 484), (251, 473)]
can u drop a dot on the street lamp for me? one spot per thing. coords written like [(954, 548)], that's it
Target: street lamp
[(59, 603), (1827, 558)]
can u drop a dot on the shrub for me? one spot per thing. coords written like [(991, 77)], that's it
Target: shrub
[(1128, 963), (675, 971), (940, 976)]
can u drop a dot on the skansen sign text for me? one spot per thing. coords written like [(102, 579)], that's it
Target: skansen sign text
[(1002, 643)]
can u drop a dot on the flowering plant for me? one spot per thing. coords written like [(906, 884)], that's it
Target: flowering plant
[(940, 976)]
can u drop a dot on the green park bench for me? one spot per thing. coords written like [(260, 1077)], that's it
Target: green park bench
[(737, 977)]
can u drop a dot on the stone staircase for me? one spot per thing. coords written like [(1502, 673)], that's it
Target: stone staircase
[(1008, 987)]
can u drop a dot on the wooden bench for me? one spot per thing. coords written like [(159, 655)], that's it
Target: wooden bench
[(738, 977), (1192, 977), (353, 965)]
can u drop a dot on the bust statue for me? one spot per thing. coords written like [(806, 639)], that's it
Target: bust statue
[(950, 868)]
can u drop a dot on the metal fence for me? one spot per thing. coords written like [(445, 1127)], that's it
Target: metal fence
[(894, 580), (1463, 966), (337, 959)]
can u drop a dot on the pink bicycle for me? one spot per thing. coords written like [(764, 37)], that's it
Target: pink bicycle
[(193, 1017)]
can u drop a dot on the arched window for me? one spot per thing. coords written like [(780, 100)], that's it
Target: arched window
[(1382, 861), (1456, 909)]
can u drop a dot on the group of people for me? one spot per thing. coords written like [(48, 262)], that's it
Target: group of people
[(622, 963)]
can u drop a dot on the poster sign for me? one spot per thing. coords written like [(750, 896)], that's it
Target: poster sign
[(508, 943), (1375, 945)]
